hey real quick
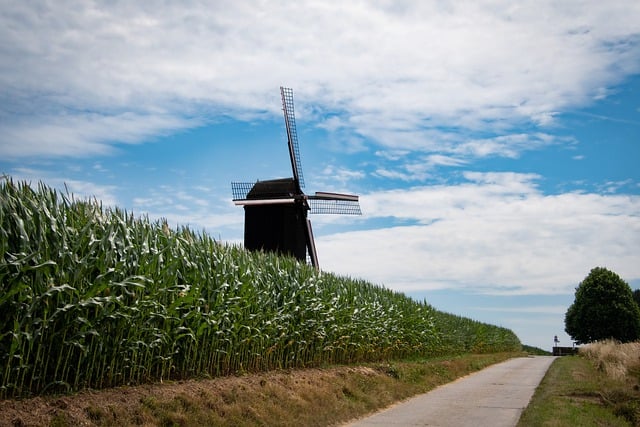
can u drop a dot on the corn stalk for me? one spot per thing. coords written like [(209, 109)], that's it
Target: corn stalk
[(94, 297)]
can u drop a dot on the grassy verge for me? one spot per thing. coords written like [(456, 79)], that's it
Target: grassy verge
[(309, 397), (578, 391), (535, 351)]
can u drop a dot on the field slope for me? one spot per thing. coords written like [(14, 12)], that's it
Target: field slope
[(94, 297)]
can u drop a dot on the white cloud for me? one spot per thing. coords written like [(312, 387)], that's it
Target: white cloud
[(511, 145), (77, 77), (197, 201), (392, 154), (440, 160), (410, 169), (231, 223), (337, 179), (496, 234), (192, 207), (81, 135), (418, 170), (395, 174)]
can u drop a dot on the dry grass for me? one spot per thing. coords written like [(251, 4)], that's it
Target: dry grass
[(620, 363), (615, 359), (575, 393), (305, 397)]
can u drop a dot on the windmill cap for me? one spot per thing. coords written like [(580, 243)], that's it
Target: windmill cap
[(273, 189)]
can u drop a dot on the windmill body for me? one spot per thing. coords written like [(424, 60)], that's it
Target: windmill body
[(279, 225), (276, 210)]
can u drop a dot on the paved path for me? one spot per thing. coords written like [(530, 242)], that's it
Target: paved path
[(492, 397)]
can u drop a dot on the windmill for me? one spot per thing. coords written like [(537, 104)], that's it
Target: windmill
[(275, 211)]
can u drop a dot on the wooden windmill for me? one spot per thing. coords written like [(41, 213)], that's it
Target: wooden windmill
[(275, 211)]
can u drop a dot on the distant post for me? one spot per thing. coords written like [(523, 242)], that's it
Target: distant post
[(563, 351)]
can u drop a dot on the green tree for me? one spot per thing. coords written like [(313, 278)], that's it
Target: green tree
[(603, 308), (636, 296)]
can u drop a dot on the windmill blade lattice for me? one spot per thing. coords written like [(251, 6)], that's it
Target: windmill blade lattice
[(241, 189), (339, 207), (292, 133)]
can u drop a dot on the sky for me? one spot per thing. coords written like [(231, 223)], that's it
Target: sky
[(494, 144)]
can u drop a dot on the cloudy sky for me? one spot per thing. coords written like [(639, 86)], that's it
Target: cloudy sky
[(494, 144)]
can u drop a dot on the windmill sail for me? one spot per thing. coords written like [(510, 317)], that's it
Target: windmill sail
[(241, 189), (334, 206), (292, 134), (334, 203)]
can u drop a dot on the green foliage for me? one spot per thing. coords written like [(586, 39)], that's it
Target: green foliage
[(459, 334), (603, 308), (535, 350), (93, 297), (636, 296)]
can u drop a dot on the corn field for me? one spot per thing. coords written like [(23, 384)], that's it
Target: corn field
[(93, 297)]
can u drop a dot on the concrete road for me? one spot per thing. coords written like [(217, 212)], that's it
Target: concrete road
[(493, 397)]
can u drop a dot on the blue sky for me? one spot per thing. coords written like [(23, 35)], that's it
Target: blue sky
[(494, 145)]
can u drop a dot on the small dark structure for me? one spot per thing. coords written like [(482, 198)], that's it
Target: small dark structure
[(565, 351), (276, 210)]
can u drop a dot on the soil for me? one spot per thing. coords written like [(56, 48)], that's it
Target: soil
[(91, 407), (310, 397)]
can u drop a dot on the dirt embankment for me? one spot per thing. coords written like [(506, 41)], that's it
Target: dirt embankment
[(309, 397), (147, 404)]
